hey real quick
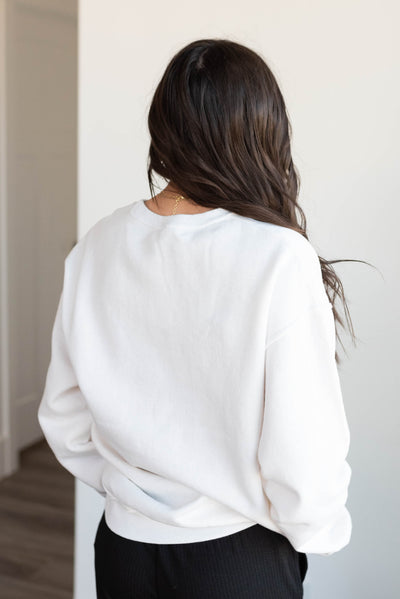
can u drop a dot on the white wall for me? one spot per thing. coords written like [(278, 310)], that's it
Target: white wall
[(337, 66)]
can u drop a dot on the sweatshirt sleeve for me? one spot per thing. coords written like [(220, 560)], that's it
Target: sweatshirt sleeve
[(64, 416), (305, 436)]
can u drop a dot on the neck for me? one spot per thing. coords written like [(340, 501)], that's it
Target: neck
[(166, 200), (172, 188)]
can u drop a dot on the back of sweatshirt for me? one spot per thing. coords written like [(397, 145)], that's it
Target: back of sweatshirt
[(193, 382)]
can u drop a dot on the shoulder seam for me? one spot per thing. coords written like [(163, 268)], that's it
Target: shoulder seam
[(282, 332)]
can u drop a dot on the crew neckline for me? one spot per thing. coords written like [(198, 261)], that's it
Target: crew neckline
[(142, 212)]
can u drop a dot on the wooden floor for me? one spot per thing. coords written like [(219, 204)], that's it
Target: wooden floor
[(37, 528)]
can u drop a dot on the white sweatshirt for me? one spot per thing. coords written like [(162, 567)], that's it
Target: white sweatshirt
[(193, 383)]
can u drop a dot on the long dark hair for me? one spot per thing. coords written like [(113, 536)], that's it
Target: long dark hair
[(221, 133)]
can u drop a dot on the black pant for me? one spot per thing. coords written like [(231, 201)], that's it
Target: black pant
[(253, 563)]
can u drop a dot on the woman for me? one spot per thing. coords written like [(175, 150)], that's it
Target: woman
[(193, 378)]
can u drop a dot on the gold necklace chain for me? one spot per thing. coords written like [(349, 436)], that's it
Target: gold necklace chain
[(179, 197)]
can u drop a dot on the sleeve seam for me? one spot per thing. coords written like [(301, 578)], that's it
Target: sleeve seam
[(287, 328)]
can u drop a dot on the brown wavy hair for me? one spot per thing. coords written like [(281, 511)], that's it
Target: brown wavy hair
[(221, 133)]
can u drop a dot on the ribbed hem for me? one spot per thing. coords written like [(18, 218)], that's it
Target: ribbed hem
[(135, 526)]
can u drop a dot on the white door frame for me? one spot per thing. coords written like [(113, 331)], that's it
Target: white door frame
[(8, 453), (9, 450)]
